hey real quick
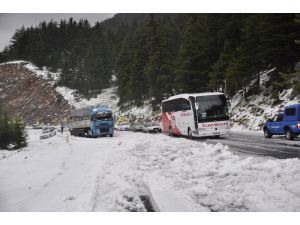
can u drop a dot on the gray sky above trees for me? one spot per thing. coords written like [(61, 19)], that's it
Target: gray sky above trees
[(10, 22)]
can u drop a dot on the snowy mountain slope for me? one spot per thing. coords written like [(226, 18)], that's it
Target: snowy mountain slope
[(109, 97), (110, 174), (28, 93), (73, 99), (251, 114), (248, 115)]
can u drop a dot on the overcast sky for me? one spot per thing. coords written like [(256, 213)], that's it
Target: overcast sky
[(9, 22)]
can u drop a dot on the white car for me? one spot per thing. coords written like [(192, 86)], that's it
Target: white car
[(47, 133), (136, 127), (152, 128), (123, 126)]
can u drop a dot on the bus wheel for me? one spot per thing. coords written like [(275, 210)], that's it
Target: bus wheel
[(190, 134), (170, 132)]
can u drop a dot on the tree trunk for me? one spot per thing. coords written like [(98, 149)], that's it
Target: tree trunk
[(258, 84)]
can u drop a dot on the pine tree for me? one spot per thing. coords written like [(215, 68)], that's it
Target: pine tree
[(217, 79), (123, 70), (19, 134), (193, 59), (12, 133), (158, 71), (137, 84)]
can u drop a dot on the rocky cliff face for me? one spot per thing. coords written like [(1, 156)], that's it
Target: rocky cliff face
[(32, 98)]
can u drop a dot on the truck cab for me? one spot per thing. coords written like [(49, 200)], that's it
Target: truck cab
[(101, 122), (285, 123), (93, 121)]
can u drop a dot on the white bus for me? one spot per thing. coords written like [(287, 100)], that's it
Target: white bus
[(196, 115)]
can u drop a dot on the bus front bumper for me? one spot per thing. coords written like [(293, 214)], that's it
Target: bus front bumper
[(202, 133)]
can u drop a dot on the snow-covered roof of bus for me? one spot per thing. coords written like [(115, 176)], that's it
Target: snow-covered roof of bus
[(193, 94)]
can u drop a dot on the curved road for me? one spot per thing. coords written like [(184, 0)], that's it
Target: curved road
[(251, 143)]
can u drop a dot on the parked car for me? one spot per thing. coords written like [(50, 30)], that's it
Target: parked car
[(48, 132), (124, 126), (35, 126), (151, 128), (136, 127), (284, 123)]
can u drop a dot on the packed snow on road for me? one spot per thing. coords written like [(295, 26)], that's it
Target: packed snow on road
[(66, 173)]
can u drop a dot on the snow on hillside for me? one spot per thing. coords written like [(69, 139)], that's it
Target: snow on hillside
[(106, 97), (110, 174), (252, 114), (43, 73)]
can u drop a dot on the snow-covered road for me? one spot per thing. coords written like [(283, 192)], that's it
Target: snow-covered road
[(110, 174)]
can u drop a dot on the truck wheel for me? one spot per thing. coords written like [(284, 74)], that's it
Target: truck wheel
[(289, 134), (267, 133), (111, 135)]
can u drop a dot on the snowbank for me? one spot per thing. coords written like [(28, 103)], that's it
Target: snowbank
[(110, 174)]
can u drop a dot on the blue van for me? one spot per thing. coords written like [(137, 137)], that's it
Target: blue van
[(284, 123)]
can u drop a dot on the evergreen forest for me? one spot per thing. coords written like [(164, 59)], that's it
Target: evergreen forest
[(154, 56)]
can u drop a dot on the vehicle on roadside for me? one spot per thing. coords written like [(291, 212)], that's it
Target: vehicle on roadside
[(124, 126), (116, 127), (136, 127), (48, 132), (196, 115), (36, 126), (95, 121), (285, 123), (152, 128)]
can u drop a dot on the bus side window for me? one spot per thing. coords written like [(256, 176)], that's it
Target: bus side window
[(172, 106), (165, 106), (183, 104)]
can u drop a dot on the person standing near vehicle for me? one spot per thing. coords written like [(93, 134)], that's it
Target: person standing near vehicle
[(62, 129)]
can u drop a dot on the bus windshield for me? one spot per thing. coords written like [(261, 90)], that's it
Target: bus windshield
[(211, 108)]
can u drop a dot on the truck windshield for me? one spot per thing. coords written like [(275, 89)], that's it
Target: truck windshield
[(211, 108), (102, 116)]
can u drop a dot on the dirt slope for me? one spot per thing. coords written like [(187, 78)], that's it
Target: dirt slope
[(30, 97)]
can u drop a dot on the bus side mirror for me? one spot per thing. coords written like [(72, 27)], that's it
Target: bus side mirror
[(197, 106)]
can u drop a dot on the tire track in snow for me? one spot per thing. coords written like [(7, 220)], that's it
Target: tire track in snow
[(111, 183)]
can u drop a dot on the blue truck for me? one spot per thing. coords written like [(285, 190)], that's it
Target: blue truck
[(285, 123), (94, 121)]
